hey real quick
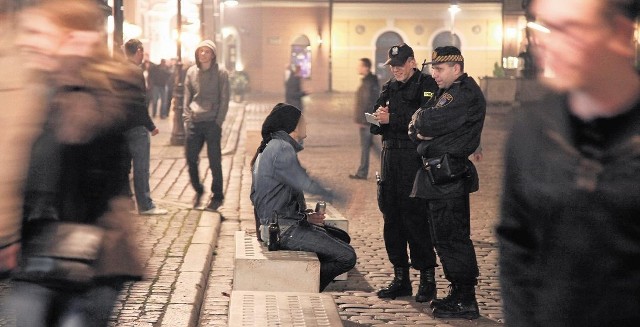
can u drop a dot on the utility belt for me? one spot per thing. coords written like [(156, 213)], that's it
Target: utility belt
[(398, 144), (445, 169)]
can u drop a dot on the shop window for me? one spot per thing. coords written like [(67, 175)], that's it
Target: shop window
[(301, 55), (384, 42)]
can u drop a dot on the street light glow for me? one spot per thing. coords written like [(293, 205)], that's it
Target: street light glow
[(230, 3)]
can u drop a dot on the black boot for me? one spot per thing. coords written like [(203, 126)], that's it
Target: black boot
[(400, 286), (427, 289), (460, 303)]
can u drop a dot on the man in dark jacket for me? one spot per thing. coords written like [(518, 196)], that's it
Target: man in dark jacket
[(569, 233), (451, 124), (206, 101), (405, 219), (140, 125), (293, 92), (366, 96)]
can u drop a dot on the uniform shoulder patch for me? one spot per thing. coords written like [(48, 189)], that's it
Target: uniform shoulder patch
[(444, 100)]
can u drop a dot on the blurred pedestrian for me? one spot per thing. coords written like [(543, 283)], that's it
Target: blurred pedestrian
[(405, 218), (77, 245), (293, 88), (19, 124), (206, 102), (569, 231), (448, 130), (277, 188), (138, 135), (366, 96), (158, 76)]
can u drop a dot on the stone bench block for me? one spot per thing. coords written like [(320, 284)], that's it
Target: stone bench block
[(252, 308), (258, 269)]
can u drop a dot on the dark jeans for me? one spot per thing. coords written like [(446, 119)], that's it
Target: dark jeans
[(336, 257), (139, 143), (450, 232), (196, 135), (405, 218), (37, 306), (366, 144), (159, 93)]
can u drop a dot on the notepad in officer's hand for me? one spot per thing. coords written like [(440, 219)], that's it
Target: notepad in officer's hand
[(371, 119)]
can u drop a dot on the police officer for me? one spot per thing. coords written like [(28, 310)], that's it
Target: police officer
[(405, 219), (448, 130)]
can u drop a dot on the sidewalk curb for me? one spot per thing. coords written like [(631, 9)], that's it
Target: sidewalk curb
[(187, 295), (188, 292)]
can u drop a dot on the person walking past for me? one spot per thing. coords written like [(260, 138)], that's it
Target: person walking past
[(447, 130), (569, 230), (293, 88), (137, 135), (405, 218), (78, 248), (206, 102), (366, 95)]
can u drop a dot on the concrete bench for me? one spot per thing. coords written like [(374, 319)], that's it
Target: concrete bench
[(258, 269), (253, 308)]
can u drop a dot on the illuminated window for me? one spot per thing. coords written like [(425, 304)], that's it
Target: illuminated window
[(301, 55)]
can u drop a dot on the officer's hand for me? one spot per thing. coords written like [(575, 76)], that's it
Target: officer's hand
[(382, 115), (155, 132), (316, 218), (477, 156)]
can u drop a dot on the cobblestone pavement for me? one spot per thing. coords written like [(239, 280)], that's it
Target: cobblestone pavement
[(331, 153)]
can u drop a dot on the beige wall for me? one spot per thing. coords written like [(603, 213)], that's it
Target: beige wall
[(266, 34)]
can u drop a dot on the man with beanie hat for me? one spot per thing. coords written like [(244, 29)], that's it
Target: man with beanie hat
[(447, 130), (278, 186), (569, 231), (405, 219), (206, 101)]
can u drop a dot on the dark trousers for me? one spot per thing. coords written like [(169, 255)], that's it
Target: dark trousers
[(405, 218), (336, 257), (196, 135), (37, 306), (366, 145), (450, 233)]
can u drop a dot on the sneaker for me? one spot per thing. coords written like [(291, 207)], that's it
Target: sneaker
[(155, 211), (214, 204), (197, 199), (357, 177)]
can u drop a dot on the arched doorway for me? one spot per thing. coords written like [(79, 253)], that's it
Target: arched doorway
[(384, 42), (446, 38), (301, 55)]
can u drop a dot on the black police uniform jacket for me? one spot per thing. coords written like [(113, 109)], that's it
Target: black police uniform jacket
[(569, 234), (450, 123), (403, 99)]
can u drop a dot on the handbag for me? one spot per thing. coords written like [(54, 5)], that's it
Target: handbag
[(59, 254), (441, 169)]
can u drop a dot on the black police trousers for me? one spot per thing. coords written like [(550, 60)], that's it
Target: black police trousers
[(449, 221), (405, 218)]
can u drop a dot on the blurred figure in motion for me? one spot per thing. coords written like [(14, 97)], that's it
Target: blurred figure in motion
[(277, 188), (569, 233), (365, 101), (293, 88), (19, 123), (77, 245)]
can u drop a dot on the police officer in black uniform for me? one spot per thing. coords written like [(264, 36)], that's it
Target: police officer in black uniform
[(405, 218), (447, 130)]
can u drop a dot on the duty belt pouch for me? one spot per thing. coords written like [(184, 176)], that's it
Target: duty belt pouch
[(60, 254), (442, 170)]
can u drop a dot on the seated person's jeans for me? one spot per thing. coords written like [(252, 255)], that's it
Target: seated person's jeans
[(336, 257)]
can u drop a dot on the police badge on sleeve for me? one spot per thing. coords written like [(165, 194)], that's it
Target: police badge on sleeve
[(444, 100)]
